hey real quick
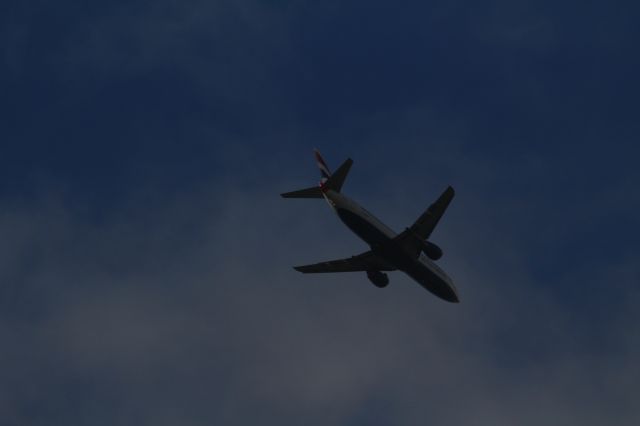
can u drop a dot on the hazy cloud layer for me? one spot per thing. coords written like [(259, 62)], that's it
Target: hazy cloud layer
[(145, 259), (192, 315)]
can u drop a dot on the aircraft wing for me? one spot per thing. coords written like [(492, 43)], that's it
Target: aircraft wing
[(366, 261), (426, 223), (412, 238)]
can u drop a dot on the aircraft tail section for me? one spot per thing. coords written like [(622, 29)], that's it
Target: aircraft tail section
[(328, 180), (325, 173), (337, 179), (313, 192)]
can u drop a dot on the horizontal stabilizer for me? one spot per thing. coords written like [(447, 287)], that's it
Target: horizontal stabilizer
[(336, 180), (328, 181), (313, 192)]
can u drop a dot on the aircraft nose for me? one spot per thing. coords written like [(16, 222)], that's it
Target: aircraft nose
[(448, 292), (452, 295)]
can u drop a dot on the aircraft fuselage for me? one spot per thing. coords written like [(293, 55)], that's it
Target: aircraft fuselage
[(381, 240)]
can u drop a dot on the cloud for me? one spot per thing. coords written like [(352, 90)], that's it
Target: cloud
[(179, 306), (192, 315)]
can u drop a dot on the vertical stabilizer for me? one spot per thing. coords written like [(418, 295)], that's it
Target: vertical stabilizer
[(328, 181), (325, 173), (332, 181)]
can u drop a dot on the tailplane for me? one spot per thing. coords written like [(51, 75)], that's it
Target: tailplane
[(327, 180), (313, 192)]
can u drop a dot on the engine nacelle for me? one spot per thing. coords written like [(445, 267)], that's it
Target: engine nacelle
[(378, 278), (432, 251)]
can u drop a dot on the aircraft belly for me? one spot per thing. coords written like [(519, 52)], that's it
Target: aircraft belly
[(385, 247), (432, 282), (363, 228)]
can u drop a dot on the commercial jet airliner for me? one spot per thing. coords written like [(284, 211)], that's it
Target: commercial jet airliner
[(410, 251)]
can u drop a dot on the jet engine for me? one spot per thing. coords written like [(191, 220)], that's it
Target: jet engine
[(432, 251), (378, 278)]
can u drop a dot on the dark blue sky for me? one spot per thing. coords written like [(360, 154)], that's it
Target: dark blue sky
[(145, 263)]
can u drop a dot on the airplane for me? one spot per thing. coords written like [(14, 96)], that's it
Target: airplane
[(409, 251)]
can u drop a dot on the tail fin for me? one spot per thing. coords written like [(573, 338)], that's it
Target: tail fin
[(325, 173), (327, 180)]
